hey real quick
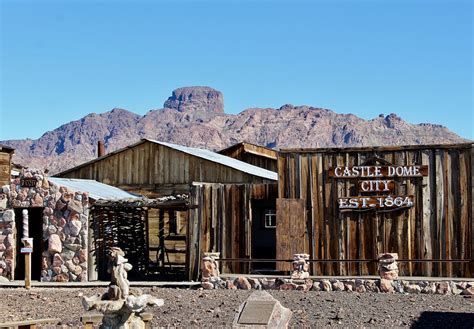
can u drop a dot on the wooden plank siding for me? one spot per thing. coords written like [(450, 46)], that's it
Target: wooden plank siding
[(222, 223), (5, 167), (290, 230), (438, 226), (153, 169), (253, 154)]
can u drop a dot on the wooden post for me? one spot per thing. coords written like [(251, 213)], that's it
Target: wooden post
[(28, 244), (161, 236), (28, 270)]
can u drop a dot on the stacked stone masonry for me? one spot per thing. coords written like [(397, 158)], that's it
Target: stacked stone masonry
[(7, 242), (350, 285), (65, 228)]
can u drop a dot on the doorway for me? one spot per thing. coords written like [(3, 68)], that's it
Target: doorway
[(35, 228), (263, 235)]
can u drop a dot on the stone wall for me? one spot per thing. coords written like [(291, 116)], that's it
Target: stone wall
[(7, 241), (352, 285), (65, 226)]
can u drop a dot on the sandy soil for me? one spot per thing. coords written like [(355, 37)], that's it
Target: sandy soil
[(217, 308)]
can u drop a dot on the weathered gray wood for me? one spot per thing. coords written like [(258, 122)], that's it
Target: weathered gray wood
[(434, 228), (427, 252)]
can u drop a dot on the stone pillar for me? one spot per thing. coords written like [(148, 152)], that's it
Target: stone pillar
[(300, 267), (210, 270), (7, 244), (388, 267)]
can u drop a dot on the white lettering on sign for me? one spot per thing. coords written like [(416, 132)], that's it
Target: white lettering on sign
[(375, 185), (379, 171), (376, 202), (378, 180)]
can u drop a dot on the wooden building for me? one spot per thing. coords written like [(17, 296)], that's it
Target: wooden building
[(223, 191), (6, 154), (256, 155), (156, 168), (237, 220), (354, 203)]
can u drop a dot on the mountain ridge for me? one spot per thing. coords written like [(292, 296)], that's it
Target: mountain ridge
[(194, 116)]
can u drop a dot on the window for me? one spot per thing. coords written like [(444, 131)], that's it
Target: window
[(270, 218)]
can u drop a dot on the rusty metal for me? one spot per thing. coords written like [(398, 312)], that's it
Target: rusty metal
[(247, 260)]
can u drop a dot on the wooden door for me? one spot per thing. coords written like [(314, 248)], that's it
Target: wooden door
[(290, 230)]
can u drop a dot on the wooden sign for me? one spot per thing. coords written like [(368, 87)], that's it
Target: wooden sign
[(28, 182), (378, 181)]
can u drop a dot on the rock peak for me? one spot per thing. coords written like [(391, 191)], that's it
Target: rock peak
[(196, 98)]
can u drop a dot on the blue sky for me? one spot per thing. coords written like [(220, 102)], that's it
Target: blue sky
[(61, 60)]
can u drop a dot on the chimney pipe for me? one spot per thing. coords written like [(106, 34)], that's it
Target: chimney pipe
[(100, 149)]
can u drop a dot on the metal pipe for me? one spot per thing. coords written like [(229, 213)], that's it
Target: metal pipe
[(246, 260)]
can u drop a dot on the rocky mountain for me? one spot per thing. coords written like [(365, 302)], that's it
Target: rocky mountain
[(194, 116)]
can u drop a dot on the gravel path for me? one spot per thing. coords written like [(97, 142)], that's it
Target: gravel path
[(217, 308)]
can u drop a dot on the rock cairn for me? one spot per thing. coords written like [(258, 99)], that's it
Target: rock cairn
[(388, 266), (120, 307), (65, 226), (210, 271), (388, 271), (300, 267)]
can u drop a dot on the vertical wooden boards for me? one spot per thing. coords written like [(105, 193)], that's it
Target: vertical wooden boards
[(470, 198), (438, 226), (427, 220), (290, 230), (5, 167), (441, 209), (340, 223), (282, 233), (148, 163), (193, 246)]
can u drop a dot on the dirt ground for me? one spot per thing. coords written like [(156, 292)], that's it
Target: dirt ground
[(217, 308)]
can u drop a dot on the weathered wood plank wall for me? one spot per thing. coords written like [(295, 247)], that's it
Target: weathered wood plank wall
[(256, 155), (438, 226), (150, 167), (170, 232), (5, 167), (223, 223)]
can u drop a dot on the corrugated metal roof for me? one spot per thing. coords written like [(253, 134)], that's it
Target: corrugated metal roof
[(222, 159), (7, 149), (95, 189)]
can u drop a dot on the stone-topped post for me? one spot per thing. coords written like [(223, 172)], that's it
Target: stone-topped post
[(388, 271), (300, 267), (388, 266), (210, 270)]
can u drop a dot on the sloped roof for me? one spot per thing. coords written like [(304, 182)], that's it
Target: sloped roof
[(6, 149), (201, 153), (253, 149), (221, 159), (95, 189)]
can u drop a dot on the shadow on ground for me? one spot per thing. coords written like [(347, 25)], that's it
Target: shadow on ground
[(444, 320)]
